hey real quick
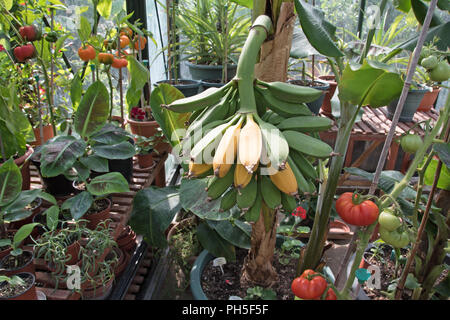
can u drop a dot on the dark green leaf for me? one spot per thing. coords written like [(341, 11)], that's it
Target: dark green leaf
[(78, 205), (76, 91), (440, 32), (194, 198), (122, 150), (10, 182), (59, 155), (113, 182), (443, 151), (420, 11), (95, 163), (52, 215), (110, 134), (232, 233), (25, 198), (320, 33), (214, 243), (153, 211), (93, 111)]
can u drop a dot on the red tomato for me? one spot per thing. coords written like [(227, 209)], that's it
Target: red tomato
[(357, 214), (308, 287), (331, 295), (25, 52), (86, 53), (120, 63)]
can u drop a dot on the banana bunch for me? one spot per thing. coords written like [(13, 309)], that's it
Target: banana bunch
[(250, 157)]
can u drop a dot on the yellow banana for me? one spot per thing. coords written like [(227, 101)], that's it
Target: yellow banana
[(285, 181), (241, 176), (250, 144), (226, 151), (196, 169)]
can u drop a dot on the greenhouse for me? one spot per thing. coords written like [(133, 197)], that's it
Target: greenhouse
[(224, 150)]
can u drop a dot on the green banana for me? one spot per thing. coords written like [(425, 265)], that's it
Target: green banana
[(190, 140), (284, 109), (292, 93), (209, 97), (252, 215), (307, 144), (246, 197), (194, 115), (306, 124), (270, 193), (261, 105), (302, 183), (272, 117), (303, 164), (228, 200), (288, 202), (219, 186), (274, 143)]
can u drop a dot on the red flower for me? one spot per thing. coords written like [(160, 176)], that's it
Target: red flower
[(299, 212), (2, 48), (137, 113)]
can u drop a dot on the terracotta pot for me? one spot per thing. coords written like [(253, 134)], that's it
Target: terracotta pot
[(143, 128), (429, 99), (25, 169), (28, 267), (95, 218), (101, 292), (145, 160), (326, 104), (101, 258), (73, 251), (29, 293), (47, 133), (121, 263)]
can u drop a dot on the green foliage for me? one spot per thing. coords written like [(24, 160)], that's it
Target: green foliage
[(260, 293)]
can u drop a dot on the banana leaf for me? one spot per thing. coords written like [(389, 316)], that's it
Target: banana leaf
[(10, 182), (112, 182), (214, 243), (139, 77), (93, 111)]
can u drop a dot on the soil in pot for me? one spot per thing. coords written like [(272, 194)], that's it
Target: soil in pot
[(27, 291), (384, 259), (99, 211), (11, 265), (217, 286)]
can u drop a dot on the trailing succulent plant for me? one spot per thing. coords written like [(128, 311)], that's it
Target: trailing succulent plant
[(263, 134)]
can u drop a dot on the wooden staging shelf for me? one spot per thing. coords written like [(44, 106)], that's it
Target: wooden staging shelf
[(120, 214), (374, 127)]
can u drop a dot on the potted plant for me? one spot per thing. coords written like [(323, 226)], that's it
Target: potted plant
[(144, 151), (215, 31), (14, 201), (18, 287), (326, 75), (413, 100), (18, 260)]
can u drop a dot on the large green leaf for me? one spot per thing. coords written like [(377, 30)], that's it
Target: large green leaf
[(139, 77), (301, 48), (23, 233), (113, 182), (76, 90), (444, 177), (169, 121), (10, 182), (153, 211), (232, 232), (95, 163), (110, 134), (122, 150), (79, 204), (194, 198), (16, 209), (60, 154), (93, 111), (420, 11), (373, 83), (214, 243), (320, 33)]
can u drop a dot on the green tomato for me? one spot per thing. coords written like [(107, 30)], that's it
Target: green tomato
[(395, 238), (441, 72), (429, 62), (411, 143), (389, 221)]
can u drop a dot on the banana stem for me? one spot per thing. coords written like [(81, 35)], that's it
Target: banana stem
[(245, 74)]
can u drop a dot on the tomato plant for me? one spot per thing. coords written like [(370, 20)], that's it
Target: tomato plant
[(24, 52), (119, 63), (105, 58), (355, 210), (139, 39), (310, 285), (86, 53), (389, 221), (410, 143), (124, 41)]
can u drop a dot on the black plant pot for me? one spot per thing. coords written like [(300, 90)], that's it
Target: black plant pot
[(206, 84), (187, 87), (123, 166), (315, 105), (58, 186)]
